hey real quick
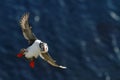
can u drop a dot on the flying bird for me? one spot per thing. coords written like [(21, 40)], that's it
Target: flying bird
[(37, 47)]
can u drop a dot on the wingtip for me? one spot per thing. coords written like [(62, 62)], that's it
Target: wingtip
[(26, 14), (63, 67), (24, 18)]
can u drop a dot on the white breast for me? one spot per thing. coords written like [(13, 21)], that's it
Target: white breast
[(33, 50)]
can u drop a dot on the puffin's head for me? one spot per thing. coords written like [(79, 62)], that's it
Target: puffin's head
[(43, 47)]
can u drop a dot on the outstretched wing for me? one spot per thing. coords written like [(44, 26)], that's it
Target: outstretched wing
[(49, 59), (26, 29)]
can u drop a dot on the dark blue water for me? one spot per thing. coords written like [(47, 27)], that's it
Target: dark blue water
[(83, 35)]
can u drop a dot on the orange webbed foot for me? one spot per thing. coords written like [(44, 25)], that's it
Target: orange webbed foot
[(19, 55), (32, 64)]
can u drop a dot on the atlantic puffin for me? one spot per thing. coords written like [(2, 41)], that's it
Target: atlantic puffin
[(36, 47)]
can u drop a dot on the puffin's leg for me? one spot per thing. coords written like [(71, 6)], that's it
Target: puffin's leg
[(32, 62), (21, 54)]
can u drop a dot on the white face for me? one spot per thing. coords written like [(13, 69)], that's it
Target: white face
[(43, 47)]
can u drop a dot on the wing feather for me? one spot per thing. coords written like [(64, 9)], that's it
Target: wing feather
[(49, 59), (26, 29)]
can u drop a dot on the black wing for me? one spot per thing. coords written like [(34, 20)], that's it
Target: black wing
[(26, 29)]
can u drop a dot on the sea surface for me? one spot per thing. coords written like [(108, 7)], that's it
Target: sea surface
[(83, 35)]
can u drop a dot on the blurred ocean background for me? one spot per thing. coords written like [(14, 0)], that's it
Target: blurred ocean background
[(83, 35)]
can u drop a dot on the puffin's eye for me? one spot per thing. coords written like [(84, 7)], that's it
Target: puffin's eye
[(41, 46)]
